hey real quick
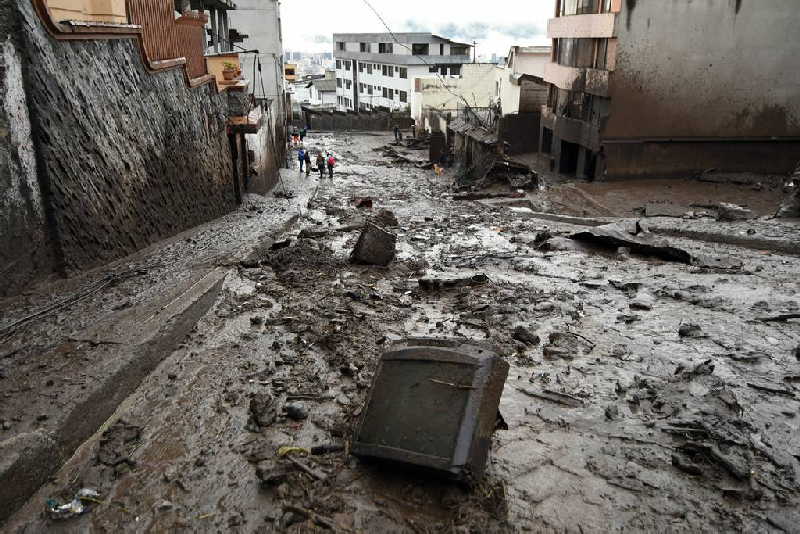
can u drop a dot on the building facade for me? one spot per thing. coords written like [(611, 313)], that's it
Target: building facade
[(377, 71), (518, 86), (652, 88)]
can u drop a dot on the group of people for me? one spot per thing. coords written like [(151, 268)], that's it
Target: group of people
[(298, 136), (327, 161)]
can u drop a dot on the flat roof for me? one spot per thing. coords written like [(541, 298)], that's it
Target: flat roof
[(407, 37)]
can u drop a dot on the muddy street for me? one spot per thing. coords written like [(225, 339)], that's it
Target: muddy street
[(227, 368)]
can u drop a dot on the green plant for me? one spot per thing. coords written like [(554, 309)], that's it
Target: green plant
[(230, 66)]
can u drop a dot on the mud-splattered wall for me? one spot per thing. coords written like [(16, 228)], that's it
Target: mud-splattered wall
[(128, 156), (716, 68), (24, 247)]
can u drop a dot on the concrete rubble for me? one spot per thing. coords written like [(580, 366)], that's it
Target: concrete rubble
[(215, 381)]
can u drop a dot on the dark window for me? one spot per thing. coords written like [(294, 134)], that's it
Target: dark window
[(385, 48), (602, 54), (605, 6), (339, 64), (578, 7), (349, 84), (360, 67), (455, 70), (443, 71), (458, 50), (340, 46), (403, 72), (347, 65), (420, 49), (403, 96), (441, 49), (364, 47), (369, 68), (552, 97), (383, 70), (390, 71), (433, 68), (338, 82), (369, 89), (576, 52), (385, 93)]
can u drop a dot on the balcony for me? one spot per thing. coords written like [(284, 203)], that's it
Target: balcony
[(576, 131), (594, 26), (586, 80)]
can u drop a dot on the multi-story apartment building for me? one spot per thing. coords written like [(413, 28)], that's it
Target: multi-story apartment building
[(378, 70), (655, 88)]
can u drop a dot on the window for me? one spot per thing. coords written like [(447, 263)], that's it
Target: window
[(364, 47), (347, 65), (385, 48), (384, 70), (552, 97), (390, 70), (605, 6), (441, 49), (369, 68), (433, 68), (455, 70), (360, 67), (338, 82), (420, 49), (339, 64), (459, 50), (443, 71), (602, 53), (369, 89), (403, 96), (385, 93), (340, 46), (578, 7), (361, 88), (403, 72), (349, 84), (575, 52)]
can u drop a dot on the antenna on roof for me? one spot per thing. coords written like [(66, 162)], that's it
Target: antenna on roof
[(474, 51)]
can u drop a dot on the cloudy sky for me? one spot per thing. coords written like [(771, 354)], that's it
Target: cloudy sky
[(309, 24)]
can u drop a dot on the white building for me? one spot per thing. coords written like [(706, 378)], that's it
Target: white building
[(516, 88), (378, 70)]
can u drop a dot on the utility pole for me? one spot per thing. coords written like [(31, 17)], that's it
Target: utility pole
[(474, 51)]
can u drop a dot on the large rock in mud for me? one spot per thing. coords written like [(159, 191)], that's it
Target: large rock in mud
[(732, 213), (375, 246)]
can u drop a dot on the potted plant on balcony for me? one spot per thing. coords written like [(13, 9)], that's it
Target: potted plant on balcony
[(229, 70)]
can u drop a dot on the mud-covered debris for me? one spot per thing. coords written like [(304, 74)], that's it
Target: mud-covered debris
[(635, 236), (118, 443), (263, 411), (386, 219), (690, 330), (553, 396), (437, 394), (80, 504), (305, 254), (643, 301), (566, 346), (296, 411), (271, 474), (327, 448), (701, 369), (612, 412), (435, 284), (375, 246), (525, 336), (363, 202), (257, 320), (277, 245), (732, 213)]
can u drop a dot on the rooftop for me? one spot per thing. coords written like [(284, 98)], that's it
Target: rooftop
[(409, 37)]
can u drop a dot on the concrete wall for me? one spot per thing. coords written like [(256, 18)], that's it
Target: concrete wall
[(476, 85), (260, 20), (269, 149), (24, 246), (716, 68), (124, 157)]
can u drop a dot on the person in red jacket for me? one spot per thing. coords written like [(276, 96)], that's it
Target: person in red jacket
[(331, 164)]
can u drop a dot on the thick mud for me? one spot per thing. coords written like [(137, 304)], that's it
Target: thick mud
[(643, 395)]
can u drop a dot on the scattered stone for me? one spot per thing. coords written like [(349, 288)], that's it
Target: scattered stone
[(172, 376), (544, 307), (386, 219), (257, 320), (200, 462), (612, 412), (6, 425), (296, 411), (375, 246), (732, 213), (643, 301), (566, 346), (526, 336), (118, 443), (263, 411), (164, 505), (690, 330), (271, 475), (42, 417)]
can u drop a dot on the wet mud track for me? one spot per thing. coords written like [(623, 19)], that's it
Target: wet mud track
[(643, 395)]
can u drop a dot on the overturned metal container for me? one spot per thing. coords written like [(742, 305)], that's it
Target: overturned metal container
[(433, 403)]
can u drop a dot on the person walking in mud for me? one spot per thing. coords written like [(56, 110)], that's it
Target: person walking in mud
[(307, 161), (321, 165), (301, 157), (331, 164), (396, 133)]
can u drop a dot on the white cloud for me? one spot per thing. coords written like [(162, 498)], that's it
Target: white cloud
[(495, 27)]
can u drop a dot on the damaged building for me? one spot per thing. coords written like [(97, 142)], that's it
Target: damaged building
[(647, 88)]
